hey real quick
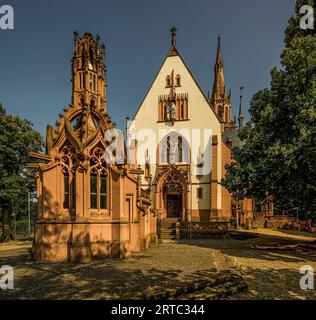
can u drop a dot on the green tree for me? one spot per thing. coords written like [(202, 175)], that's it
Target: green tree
[(17, 139), (279, 153)]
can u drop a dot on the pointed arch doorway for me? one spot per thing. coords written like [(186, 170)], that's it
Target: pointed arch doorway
[(171, 195)]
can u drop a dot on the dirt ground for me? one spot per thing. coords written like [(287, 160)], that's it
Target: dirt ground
[(269, 263)]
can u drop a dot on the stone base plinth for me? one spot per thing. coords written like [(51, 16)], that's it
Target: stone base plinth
[(81, 242)]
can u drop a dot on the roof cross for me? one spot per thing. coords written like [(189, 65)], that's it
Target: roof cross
[(173, 31)]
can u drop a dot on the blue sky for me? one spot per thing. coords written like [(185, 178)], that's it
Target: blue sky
[(35, 56)]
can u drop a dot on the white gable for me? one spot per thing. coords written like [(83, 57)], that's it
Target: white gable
[(201, 114), (201, 126)]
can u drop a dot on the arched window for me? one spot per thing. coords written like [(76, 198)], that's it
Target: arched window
[(93, 191), (98, 180), (98, 191), (180, 151), (102, 192), (68, 161), (174, 149), (168, 149), (66, 190), (73, 191)]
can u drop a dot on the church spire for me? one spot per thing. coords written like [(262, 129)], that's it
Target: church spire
[(241, 113), (219, 81), (219, 58)]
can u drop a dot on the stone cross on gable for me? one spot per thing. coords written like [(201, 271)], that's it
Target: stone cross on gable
[(173, 31)]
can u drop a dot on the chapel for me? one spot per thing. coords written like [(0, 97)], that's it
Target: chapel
[(183, 139)]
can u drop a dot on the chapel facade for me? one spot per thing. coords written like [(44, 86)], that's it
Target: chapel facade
[(183, 139)]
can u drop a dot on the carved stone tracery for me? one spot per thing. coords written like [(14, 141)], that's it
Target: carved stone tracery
[(173, 183), (97, 161)]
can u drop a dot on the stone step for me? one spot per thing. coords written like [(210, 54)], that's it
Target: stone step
[(167, 234), (168, 231), (166, 223), (167, 238)]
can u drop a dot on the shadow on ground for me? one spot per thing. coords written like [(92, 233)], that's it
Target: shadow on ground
[(270, 273)]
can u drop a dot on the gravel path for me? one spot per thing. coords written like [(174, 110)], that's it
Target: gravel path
[(107, 279), (270, 271)]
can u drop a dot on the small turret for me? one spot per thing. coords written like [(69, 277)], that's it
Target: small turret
[(88, 73)]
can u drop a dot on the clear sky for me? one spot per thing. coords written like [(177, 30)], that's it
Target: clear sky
[(35, 56)]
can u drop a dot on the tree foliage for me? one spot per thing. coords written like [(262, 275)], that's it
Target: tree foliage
[(279, 154), (17, 139)]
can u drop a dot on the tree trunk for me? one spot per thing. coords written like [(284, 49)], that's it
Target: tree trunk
[(7, 230)]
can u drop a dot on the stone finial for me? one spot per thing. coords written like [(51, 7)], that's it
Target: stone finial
[(173, 31)]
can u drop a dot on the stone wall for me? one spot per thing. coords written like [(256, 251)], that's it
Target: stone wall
[(282, 222), (205, 230)]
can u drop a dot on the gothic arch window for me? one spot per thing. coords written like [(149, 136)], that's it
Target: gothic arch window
[(93, 190), (103, 202), (69, 161), (173, 149), (66, 189), (180, 149), (168, 150), (98, 180), (73, 191)]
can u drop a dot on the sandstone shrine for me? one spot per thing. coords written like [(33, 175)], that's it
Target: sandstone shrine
[(88, 208)]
